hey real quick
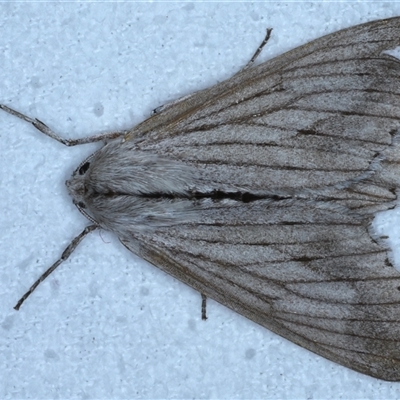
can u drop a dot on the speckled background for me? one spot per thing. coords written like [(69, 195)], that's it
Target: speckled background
[(106, 324)]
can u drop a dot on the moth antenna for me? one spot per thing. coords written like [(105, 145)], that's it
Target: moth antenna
[(258, 51), (203, 307), (42, 127), (65, 255)]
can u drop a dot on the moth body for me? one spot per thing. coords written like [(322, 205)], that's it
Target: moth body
[(125, 190), (259, 193)]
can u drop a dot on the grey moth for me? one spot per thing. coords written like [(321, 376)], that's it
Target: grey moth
[(259, 193)]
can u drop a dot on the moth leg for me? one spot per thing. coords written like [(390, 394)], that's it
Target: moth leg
[(64, 256), (258, 51), (203, 307), (163, 107), (42, 127)]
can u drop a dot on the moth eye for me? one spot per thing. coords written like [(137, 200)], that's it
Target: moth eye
[(84, 167), (80, 204)]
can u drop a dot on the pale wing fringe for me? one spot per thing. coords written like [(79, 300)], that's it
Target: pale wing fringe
[(317, 125)]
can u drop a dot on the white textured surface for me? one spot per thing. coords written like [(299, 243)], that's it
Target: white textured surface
[(106, 324)]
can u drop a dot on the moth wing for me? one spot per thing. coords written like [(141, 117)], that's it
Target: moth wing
[(307, 271), (319, 118), (315, 130), (360, 42)]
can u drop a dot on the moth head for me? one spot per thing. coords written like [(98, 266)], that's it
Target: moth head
[(76, 186)]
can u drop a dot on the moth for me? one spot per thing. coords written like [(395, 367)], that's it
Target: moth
[(259, 193)]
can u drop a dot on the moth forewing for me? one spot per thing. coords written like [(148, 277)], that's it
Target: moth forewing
[(259, 193)]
